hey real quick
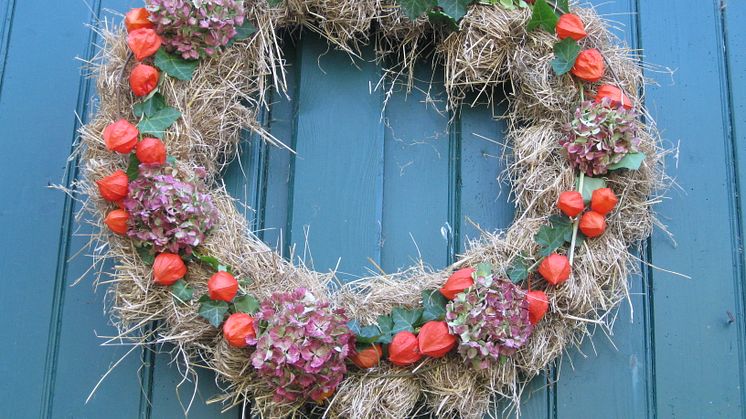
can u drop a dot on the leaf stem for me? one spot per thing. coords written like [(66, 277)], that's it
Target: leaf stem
[(577, 220)]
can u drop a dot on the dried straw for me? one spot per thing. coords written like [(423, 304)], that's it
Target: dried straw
[(224, 98)]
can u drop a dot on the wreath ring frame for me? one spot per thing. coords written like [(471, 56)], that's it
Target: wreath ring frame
[(214, 112)]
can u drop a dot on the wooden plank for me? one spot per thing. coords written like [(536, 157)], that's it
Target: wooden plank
[(338, 170), (735, 43), (81, 318), (416, 174), (696, 347), (619, 364), (36, 222), (277, 161), (484, 201)]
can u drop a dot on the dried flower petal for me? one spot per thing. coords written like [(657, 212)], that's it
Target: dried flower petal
[(143, 79), (137, 18), (555, 268), (404, 349), (457, 282), (490, 319), (592, 224), (116, 220), (196, 29), (114, 187), (603, 200), (222, 286), (151, 151), (121, 136), (168, 268), (238, 328), (600, 135), (435, 340), (171, 214), (301, 353)]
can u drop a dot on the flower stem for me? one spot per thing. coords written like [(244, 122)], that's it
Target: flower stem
[(577, 220)]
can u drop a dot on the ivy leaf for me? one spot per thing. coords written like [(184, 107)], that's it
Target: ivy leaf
[(563, 6), (440, 19), (483, 270), (133, 167), (149, 106), (213, 311), (157, 124), (518, 271), (631, 161), (146, 254), (181, 291), (565, 53), (213, 262), (274, 2), (175, 66), (543, 16), (386, 326), (590, 184), (434, 306), (244, 31), (367, 334), (550, 238), (246, 304), (416, 8), (455, 9), (405, 319)]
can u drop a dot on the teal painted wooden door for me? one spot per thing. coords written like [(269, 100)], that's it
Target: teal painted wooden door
[(388, 187)]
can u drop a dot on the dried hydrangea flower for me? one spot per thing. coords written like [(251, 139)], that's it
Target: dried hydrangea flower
[(301, 353), (196, 28), (491, 320), (600, 135), (171, 214)]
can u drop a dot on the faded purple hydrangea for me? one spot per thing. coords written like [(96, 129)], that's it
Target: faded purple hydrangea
[(600, 135), (171, 214), (302, 352), (196, 28), (490, 319)]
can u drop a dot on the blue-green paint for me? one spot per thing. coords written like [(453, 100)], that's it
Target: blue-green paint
[(681, 357)]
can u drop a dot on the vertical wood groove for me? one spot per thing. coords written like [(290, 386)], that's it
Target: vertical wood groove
[(648, 300), (66, 231), (734, 184), (5, 30), (454, 186), (295, 97)]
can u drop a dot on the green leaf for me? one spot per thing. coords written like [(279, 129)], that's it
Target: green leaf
[(213, 311), (631, 161), (157, 124), (550, 238), (590, 184), (543, 16), (246, 304), (405, 319), (565, 53), (564, 6), (149, 106), (483, 270), (456, 9), (133, 167), (434, 304), (181, 291), (244, 31), (274, 3), (386, 327), (175, 66), (440, 19), (146, 254), (367, 334), (213, 262), (518, 271), (416, 8)]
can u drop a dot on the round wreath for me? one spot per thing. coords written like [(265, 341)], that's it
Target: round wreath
[(180, 83)]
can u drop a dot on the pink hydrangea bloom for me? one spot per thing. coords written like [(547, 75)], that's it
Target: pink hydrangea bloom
[(600, 135), (196, 28), (302, 352), (491, 320), (171, 214)]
